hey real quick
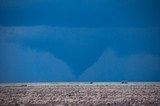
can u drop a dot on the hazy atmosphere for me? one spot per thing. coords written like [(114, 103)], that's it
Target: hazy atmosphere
[(79, 40)]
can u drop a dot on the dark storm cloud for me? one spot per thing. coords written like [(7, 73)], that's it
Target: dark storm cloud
[(78, 32), (80, 13), (80, 48)]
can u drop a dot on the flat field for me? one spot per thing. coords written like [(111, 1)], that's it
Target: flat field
[(80, 94)]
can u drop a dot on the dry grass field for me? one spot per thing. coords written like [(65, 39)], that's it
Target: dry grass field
[(81, 95)]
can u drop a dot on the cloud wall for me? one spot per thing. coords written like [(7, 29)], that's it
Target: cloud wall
[(46, 53)]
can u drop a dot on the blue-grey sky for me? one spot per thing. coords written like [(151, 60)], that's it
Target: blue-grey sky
[(82, 40)]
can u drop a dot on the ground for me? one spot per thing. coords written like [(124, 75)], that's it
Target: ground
[(81, 95)]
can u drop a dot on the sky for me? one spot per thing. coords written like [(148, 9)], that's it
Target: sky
[(79, 40)]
